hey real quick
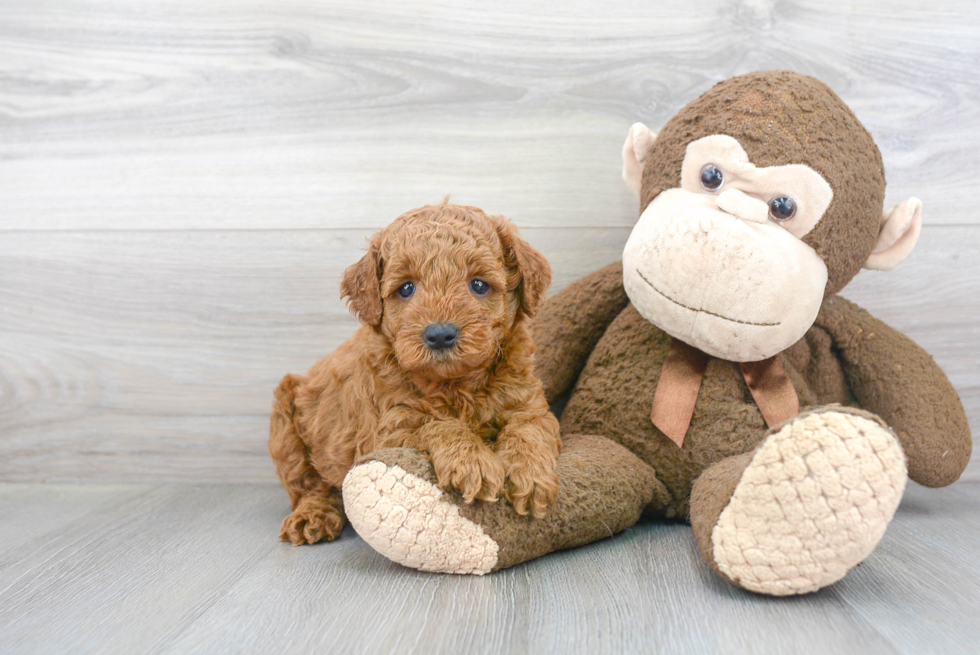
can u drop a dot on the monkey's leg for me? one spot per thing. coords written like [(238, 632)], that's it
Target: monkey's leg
[(392, 500), (805, 507)]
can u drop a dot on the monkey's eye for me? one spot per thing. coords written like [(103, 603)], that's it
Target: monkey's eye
[(406, 290), (479, 287), (782, 208), (711, 177)]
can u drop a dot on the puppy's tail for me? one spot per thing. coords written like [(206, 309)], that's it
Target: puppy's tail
[(286, 448)]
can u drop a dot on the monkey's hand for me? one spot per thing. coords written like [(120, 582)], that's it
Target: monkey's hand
[(893, 377)]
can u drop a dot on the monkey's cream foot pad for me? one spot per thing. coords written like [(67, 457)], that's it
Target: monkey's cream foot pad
[(409, 520), (813, 502)]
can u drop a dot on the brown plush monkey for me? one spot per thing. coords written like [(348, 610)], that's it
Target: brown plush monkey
[(723, 379)]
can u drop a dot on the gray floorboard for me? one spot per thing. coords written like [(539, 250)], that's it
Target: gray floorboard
[(184, 568)]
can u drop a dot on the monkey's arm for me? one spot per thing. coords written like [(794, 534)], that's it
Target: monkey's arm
[(893, 377), (570, 323)]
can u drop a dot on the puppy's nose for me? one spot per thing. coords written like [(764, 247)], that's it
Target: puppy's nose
[(440, 336)]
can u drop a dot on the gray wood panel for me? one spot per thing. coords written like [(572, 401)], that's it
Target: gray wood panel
[(270, 114), (182, 183), (122, 367), (187, 568)]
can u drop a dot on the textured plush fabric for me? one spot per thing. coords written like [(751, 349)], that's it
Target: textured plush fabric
[(404, 517), (604, 489), (741, 289), (680, 382), (578, 323), (782, 117), (893, 377), (615, 391), (929, 419), (813, 502), (712, 492)]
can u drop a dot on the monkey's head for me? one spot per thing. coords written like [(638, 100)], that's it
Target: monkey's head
[(758, 200)]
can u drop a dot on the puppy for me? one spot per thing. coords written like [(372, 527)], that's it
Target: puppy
[(443, 363)]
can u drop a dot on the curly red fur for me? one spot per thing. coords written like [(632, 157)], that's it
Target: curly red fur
[(476, 409)]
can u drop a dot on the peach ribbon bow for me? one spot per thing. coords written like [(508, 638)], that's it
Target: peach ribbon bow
[(680, 382)]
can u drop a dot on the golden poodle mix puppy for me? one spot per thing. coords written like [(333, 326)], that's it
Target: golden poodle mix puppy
[(443, 363)]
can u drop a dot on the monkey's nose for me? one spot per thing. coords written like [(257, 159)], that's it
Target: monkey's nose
[(439, 336), (743, 206)]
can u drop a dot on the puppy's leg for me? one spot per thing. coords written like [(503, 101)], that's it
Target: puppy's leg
[(318, 510), (461, 459), (528, 446), (319, 514)]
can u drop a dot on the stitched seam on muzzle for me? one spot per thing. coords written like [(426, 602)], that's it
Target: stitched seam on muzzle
[(705, 311)]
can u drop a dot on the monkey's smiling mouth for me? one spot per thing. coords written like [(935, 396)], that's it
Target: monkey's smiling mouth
[(680, 304)]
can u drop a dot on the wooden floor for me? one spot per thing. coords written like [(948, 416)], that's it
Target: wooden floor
[(181, 568)]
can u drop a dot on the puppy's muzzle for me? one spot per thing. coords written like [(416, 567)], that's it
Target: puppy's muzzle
[(440, 336)]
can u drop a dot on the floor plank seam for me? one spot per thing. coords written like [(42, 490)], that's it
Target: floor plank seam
[(165, 642)]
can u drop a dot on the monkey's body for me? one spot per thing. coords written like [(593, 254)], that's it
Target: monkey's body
[(615, 389), (714, 375), (726, 419)]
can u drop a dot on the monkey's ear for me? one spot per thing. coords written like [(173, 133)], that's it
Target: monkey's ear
[(639, 143), (900, 227), (529, 266), (361, 285)]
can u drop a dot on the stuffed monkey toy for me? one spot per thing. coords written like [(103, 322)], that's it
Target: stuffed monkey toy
[(714, 375)]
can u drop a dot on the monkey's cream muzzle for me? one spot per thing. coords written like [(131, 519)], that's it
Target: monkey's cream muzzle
[(737, 287)]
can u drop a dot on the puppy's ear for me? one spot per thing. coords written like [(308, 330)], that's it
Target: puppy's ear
[(530, 272), (361, 285)]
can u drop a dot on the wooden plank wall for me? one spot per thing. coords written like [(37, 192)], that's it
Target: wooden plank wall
[(182, 183)]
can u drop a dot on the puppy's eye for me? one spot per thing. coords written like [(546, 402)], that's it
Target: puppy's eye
[(479, 287), (406, 290), (711, 177), (782, 208)]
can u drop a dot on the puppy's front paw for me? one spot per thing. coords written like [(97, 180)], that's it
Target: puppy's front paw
[(470, 467), (532, 482), (308, 526)]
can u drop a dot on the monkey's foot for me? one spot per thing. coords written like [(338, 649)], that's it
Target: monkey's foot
[(392, 499), (806, 507), (394, 504)]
